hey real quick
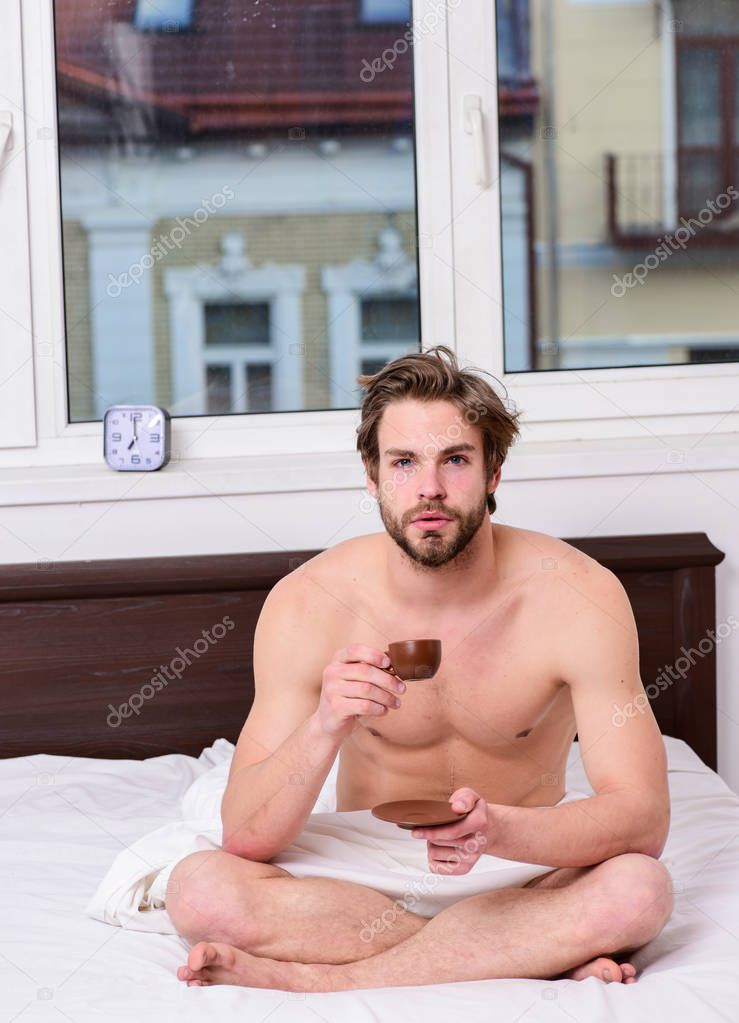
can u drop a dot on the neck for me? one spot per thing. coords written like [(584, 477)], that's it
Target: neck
[(464, 582)]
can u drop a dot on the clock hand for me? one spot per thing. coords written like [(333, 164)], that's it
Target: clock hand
[(135, 436)]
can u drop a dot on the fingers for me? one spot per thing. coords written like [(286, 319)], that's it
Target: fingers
[(464, 799), (358, 652), (444, 834)]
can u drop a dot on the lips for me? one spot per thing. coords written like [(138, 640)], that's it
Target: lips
[(431, 520)]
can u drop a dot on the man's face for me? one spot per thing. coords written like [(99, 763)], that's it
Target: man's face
[(416, 474)]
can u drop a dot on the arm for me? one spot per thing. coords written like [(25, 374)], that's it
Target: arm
[(282, 757), (624, 757)]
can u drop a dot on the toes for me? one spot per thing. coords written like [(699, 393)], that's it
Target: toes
[(185, 973), (610, 972), (202, 954)]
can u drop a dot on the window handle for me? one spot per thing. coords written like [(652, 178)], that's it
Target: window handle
[(6, 130), (475, 126)]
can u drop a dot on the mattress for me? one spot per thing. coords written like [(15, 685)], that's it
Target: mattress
[(63, 820)]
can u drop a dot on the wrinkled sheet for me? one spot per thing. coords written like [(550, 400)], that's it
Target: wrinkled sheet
[(349, 846), (64, 820)]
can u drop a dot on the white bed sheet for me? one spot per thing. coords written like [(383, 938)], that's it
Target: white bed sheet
[(62, 821)]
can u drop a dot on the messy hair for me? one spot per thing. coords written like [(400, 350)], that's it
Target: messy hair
[(435, 375)]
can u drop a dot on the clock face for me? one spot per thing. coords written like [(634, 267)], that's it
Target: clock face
[(136, 437)]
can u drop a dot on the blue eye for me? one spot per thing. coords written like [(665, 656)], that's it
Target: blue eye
[(399, 460)]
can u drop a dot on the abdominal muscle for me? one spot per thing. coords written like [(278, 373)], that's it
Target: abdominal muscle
[(373, 770)]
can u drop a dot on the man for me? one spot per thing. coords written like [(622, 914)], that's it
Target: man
[(538, 643)]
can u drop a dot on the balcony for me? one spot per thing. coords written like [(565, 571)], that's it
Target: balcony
[(646, 205)]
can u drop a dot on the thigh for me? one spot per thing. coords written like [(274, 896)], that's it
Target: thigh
[(251, 868), (204, 867), (559, 877)]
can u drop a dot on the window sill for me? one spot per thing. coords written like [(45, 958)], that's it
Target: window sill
[(201, 477)]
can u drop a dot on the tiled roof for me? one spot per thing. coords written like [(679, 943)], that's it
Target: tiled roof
[(244, 63)]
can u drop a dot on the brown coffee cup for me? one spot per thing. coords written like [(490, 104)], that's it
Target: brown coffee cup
[(415, 659)]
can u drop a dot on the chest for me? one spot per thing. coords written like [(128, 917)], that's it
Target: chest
[(496, 683)]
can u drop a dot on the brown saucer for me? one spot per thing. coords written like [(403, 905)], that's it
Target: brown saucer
[(417, 813)]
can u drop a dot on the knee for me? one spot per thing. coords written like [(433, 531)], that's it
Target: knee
[(637, 900), (200, 896)]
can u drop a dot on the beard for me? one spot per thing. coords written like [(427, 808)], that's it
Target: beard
[(433, 549)]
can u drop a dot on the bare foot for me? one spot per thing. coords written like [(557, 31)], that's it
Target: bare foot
[(212, 962), (604, 969)]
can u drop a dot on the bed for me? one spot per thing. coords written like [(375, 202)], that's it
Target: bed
[(75, 790)]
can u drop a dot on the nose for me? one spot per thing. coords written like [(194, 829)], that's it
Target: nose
[(429, 483)]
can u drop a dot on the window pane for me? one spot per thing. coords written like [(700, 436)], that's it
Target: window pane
[(163, 14), (233, 184), (711, 353), (385, 10), (700, 96), (233, 324), (700, 178), (373, 365), (259, 387), (389, 319), (218, 383), (619, 198)]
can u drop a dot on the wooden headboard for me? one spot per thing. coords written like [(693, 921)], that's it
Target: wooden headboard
[(81, 640)]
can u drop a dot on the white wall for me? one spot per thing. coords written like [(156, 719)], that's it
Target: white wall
[(546, 492)]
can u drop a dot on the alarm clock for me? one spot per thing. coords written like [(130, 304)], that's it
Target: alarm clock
[(136, 437)]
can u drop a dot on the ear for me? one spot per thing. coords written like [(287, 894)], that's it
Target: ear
[(371, 486), (495, 480)]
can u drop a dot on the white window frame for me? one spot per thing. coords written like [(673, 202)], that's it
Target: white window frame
[(571, 405), (17, 412), (460, 288), (319, 436), (233, 280)]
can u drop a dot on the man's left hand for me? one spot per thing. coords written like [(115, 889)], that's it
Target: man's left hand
[(455, 848)]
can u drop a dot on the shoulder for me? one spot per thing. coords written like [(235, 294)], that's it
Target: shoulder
[(327, 577), (566, 577)]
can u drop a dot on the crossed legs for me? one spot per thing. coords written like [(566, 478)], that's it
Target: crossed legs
[(256, 925), (263, 909)]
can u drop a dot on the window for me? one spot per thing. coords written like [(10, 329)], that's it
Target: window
[(389, 328), (708, 88), (619, 183), (167, 15), (147, 149), (372, 11), (373, 312), (235, 332), (170, 153), (235, 381)]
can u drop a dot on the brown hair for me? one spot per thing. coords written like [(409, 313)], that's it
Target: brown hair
[(426, 376)]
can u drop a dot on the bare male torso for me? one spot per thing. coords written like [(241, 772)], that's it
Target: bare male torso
[(496, 716)]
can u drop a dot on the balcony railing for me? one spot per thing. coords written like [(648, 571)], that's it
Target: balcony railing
[(642, 196)]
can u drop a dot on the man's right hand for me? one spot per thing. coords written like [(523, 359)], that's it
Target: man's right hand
[(357, 682)]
